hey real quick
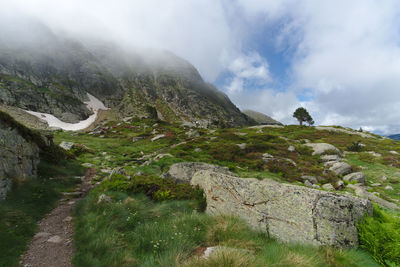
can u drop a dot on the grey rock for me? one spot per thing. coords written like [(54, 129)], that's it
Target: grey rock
[(55, 239), (242, 146), (161, 156), (358, 177), (362, 192), (339, 185), (157, 137), (394, 152), (286, 212), (328, 187), (310, 178), (103, 198), (376, 184), (267, 157), (291, 149), (388, 187), (66, 145), (183, 172), (41, 235), (308, 184), (19, 157), (328, 158), (375, 154), (383, 178), (197, 149), (340, 168), (192, 133), (87, 165), (321, 148)]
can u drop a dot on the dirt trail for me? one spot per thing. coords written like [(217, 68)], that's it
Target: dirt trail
[(53, 246)]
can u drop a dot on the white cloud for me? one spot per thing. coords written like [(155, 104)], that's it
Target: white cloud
[(346, 54), (251, 67)]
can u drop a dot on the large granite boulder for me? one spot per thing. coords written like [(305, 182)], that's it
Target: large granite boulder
[(183, 172), (286, 212), (18, 157), (321, 148)]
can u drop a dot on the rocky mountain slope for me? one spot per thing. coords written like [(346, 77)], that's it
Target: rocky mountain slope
[(52, 74), (261, 118)]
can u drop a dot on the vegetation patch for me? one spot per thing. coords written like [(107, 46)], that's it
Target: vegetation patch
[(27, 203)]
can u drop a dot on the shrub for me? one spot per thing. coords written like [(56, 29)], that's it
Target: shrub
[(156, 188), (355, 146), (380, 235)]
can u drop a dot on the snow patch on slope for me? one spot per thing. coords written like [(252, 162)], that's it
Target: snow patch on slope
[(93, 104)]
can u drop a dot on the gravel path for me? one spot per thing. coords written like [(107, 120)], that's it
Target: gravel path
[(53, 246)]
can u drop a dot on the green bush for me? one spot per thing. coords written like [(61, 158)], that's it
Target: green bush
[(156, 188), (380, 235), (355, 146)]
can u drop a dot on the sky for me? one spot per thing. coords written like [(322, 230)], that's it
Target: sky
[(340, 59)]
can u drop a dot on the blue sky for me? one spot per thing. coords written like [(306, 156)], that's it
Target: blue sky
[(339, 59)]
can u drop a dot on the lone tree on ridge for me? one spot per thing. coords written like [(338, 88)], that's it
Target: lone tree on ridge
[(302, 115)]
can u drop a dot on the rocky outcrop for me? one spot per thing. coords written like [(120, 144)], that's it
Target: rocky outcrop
[(261, 118), (183, 172), (55, 80), (287, 212), (18, 157)]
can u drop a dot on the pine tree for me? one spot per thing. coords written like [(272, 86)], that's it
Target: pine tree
[(302, 115)]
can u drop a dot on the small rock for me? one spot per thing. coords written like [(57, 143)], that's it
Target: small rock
[(71, 203), (328, 187), (87, 165), (198, 150), (155, 138), (376, 184), (137, 138), (309, 178), (307, 183), (42, 234), (212, 250), (160, 156), (240, 134), (291, 149), (339, 185), (375, 154), (242, 146), (103, 198), (383, 178), (388, 187), (359, 177), (66, 145), (394, 152), (267, 157), (106, 170), (192, 133), (213, 137), (328, 158), (315, 186), (55, 239), (67, 219), (103, 153)]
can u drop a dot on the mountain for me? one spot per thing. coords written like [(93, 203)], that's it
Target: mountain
[(51, 74), (394, 136), (261, 118)]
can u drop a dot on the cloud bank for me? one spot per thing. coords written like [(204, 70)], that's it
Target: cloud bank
[(342, 58)]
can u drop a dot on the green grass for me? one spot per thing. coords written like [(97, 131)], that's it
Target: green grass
[(380, 235), (27, 203), (135, 231)]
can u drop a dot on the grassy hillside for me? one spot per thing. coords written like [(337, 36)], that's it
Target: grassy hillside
[(111, 234)]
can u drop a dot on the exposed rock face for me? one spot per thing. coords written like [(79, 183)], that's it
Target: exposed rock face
[(184, 171), (321, 148), (261, 118), (287, 212), (51, 74), (18, 157)]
